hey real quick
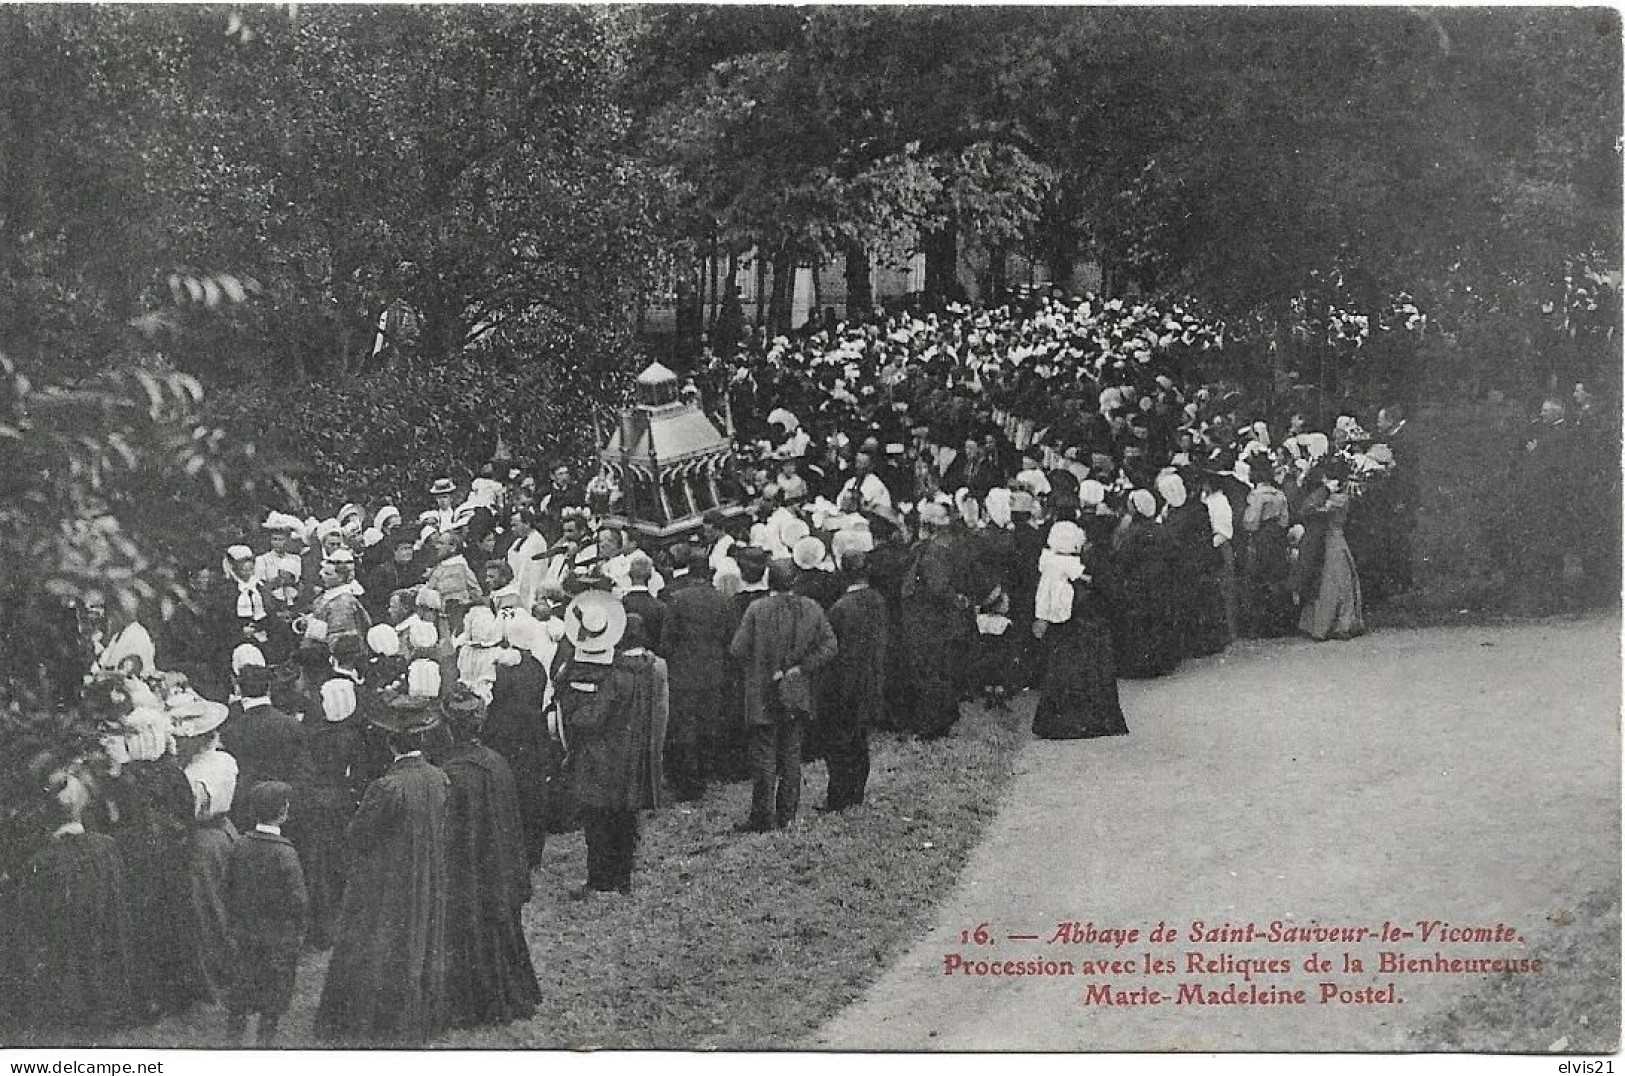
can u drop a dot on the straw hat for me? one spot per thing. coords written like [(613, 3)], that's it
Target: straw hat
[(808, 553), (193, 715), (594, 622)]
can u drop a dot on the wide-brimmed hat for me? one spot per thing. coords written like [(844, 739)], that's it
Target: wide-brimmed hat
[(442, 487), (194, 715), (408, 714), (594, 622), (808, 553)]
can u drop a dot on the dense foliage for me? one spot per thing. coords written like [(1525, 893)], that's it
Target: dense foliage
[(1243, 157), (373, 240)]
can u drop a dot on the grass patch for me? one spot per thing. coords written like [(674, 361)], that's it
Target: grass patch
[(729, 941), (1573, 1006)]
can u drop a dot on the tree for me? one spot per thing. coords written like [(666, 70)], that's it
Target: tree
[(846, 130), (468, 163)]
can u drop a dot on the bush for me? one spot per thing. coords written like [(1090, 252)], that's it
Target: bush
[(384, 436)]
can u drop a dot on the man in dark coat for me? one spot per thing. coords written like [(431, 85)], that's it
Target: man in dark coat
[(699, 624), (265, 741), (382, 577), (638, 599), (781, 636), (854, 683), (490, 976), (733, 737), (386, 983), (266, 905), (887, 564)]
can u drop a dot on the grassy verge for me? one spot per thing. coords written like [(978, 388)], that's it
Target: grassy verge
[(1573, 1007), (731, 941)]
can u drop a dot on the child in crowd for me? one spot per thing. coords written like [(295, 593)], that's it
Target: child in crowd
[(266, 902)]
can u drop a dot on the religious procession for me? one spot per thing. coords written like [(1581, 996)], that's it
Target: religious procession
[(548, 526), (364, 739)]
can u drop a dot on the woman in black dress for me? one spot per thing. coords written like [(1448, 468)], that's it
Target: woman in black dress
[(1146, 643), (1078, 695)]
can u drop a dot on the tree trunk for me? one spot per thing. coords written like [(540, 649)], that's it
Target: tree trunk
[(996, 278), (761, 288), (730, 320), (942, 265), (818, 293), (439, 332), (711, 268), (690, 316), (784, 284), (860, 292)]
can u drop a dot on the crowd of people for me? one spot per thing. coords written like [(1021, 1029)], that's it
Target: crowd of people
[(362, 737)]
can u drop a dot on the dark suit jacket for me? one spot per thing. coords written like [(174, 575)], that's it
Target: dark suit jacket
[(267, 745), (265, 889), (653, 612), (700, 623), (854, 683), (775, 633)]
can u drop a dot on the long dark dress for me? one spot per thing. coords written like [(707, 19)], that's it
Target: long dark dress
[(887, 566), (1204, 566), (1266, 579), (1144, 641), (1078, 697), (516, 729), (386, 984), (490, 978), (152, 803), (1189, 543), (936, 622), (73, 933)]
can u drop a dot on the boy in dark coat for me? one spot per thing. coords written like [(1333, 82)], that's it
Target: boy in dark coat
[(266, 906)]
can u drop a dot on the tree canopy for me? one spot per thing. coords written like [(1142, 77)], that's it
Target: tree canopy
[(1230, 152), (250, 198)]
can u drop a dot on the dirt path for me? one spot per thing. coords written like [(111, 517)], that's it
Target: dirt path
[(1460, 774)]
